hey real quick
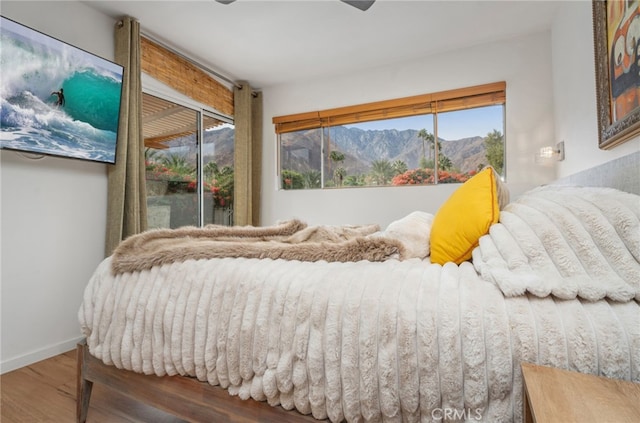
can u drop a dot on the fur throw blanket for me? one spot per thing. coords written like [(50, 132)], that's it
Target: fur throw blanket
[(567, 242), (290, 240)]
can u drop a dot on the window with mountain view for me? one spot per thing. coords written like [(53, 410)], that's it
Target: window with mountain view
[(395, 151)]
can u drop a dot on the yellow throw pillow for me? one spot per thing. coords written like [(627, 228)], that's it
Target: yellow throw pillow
[(465, 217)]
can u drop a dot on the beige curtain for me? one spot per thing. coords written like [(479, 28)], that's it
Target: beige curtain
[(126, 197), (248, 155)]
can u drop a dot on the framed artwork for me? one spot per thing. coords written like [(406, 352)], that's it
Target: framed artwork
[(616, 32)]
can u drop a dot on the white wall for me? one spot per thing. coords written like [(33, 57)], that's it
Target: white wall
[(575, 91), (53, 214), (524, 63)]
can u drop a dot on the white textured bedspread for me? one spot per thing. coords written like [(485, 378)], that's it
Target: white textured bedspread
[(556, 282), (393, 341), (565, 241)]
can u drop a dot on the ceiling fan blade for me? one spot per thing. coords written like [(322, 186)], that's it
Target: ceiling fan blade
[(360, 4)]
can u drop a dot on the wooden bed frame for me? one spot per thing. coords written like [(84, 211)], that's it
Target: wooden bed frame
[(184, 397)]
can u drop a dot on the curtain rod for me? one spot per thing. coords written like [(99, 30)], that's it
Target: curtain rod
[(188, 59)]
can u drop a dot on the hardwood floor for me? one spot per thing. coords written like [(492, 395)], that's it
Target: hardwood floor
[(46, 392)]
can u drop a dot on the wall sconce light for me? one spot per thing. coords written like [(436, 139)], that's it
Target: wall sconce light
[(550, 154)]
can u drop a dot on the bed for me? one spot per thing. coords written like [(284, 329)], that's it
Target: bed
[(357, 323)]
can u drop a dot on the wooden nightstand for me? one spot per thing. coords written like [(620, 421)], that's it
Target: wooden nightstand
[(556, 395)]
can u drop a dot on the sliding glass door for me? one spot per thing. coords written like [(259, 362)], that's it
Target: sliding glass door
[(189, 165), (217, 171)]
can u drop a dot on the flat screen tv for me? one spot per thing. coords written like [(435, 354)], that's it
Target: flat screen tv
[(57, 99)]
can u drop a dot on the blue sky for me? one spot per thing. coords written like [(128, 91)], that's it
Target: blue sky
[(451, 125)]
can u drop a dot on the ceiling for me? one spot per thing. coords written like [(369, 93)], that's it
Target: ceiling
[(268, 42)]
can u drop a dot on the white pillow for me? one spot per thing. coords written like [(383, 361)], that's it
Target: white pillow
[(413, 231)]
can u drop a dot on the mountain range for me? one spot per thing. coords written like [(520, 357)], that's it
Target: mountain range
[(301, 151)]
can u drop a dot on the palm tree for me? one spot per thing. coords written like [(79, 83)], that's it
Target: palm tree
[(338, 176), (494, 146), (444, 163), (399, 167), (210, 169), (355, 180), (336, 157), (429, 138), (179, 164), (311, 178), (382, 172)]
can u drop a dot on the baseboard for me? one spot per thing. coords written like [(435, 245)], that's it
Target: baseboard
[(39, 355)]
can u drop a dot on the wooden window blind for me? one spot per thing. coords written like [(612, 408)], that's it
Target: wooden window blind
[(443, 101), (184, 77)]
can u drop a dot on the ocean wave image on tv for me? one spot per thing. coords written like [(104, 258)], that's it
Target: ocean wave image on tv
[(56, 99)]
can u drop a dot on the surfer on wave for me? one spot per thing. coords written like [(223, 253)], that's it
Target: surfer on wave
[(60, 94)]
